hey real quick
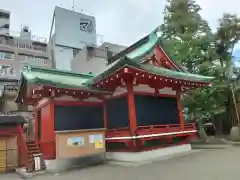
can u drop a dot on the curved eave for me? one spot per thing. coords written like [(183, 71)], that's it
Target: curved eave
[(150, 69), (28, 82), (66, 86), (146, 48), (177, 74), (58, 72), (139, 49)]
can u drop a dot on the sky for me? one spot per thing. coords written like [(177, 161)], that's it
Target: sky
[(121, 22)]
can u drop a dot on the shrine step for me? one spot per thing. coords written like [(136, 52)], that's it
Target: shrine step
[(35, 157)]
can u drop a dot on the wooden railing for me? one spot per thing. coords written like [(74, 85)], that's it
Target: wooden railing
[(169, 128), (118, 132), (118, 129)]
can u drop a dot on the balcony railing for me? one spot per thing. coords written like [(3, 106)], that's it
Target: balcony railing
[(17, 34), (15, 40), (22, 44)]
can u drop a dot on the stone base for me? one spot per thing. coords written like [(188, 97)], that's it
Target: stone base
[(235, 133), (24, 174), (60, 165), (209, 146), (147, 155)]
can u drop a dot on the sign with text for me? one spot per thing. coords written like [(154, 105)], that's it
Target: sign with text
[(86, 25)]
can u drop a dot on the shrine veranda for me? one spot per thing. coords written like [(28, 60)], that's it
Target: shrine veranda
[(136, 100)]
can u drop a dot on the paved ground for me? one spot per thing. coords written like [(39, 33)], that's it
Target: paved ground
[(221, 164)]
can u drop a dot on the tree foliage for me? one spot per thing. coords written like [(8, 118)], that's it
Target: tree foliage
[(189, 40), (186, 33)]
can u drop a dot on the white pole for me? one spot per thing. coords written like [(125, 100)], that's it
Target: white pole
[(235, 104)]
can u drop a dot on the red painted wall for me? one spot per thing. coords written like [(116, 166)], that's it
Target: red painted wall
[(47, 141)]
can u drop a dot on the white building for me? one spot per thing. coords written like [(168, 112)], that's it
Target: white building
[(70, 32), (93, 60)]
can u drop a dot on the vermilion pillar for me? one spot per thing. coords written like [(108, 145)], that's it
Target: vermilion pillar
[(131, 108), (180, 110), (105, 114)]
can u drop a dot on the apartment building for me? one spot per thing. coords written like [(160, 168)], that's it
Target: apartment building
[(93, 59), (18, 49)]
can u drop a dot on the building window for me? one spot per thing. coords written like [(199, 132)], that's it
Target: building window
[(6, 55), (34, 60)]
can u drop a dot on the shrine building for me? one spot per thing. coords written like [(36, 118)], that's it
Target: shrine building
[(134, 102)]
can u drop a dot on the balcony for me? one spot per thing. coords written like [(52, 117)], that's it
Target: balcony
[(35, 61), (33, 37), (13, 41)]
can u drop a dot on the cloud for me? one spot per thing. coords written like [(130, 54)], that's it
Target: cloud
[(126, 21), (212, 10), (122, 22)]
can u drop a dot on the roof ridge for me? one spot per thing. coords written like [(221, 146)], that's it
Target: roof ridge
[(135, 45)]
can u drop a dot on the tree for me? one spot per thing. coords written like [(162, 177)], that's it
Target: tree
[(225, 38), (185, 33), (217, 102), (188, 39)]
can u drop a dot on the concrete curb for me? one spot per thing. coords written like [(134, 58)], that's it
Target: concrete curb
[(138, 158), (210, 146), (25, 175), (54, 172), (28, 175), (136, 164)]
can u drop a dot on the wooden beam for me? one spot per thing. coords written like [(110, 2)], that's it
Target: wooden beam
[(159, 53)]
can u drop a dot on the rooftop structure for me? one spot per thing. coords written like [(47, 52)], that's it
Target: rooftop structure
[(92, 59)]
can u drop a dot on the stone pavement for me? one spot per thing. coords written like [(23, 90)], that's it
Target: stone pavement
[(218, 164)]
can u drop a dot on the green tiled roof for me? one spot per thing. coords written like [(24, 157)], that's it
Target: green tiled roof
[(144, 46), (139, 49), (57, 78), (126, 62), (132, 56)]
